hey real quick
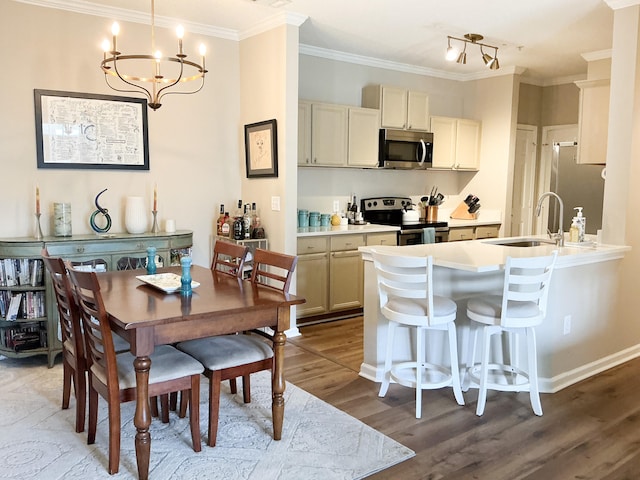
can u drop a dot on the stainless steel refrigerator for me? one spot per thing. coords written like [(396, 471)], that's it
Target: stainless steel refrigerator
[(577, 185)]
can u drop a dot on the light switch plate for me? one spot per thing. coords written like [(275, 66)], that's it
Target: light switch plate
[(336, 206), (275, 204)]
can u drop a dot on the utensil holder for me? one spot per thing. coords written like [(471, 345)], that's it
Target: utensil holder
[(431, 213)]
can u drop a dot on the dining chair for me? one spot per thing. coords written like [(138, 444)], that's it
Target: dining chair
[(405, 290), (521, 307), (73, 359), (113, 376), (229, 258), (227, 357)]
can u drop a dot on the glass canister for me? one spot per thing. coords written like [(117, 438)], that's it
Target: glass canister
[(62, 219), (325, 219), (314, 219), (303, 218)]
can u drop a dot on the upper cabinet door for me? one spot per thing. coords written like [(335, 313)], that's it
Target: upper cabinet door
[(363, 137), (417, 111), (593, 126), (394, 108), (328, 134), (467, 144), (444, 142), (304, 133)]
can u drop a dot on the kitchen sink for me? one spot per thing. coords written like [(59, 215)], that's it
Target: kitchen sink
[(521, 242)]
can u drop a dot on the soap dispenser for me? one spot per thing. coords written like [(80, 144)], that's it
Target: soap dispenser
[(574, 230), (582, 223)]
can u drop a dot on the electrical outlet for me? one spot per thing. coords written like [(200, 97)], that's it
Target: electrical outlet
[(275, 204), (336, 205), (566, 330)]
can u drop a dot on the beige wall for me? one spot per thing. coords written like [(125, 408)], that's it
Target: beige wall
[(269, 86), (560, 104), (196, 157)]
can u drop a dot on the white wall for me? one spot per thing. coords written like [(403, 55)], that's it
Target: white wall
[(195, 154)]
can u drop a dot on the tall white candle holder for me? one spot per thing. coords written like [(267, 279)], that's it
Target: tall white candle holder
[(38, 234)]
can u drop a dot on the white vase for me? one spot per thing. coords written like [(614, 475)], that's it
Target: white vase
[(135, 215)]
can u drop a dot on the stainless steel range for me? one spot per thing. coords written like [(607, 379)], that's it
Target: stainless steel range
[(389, 211)]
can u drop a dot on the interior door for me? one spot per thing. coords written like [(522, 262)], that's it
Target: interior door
[(524, 181)]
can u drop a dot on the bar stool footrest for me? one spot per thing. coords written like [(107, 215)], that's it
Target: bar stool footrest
[(433, 376), (506, 378)]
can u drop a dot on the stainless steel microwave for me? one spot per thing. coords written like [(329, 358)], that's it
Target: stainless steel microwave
[(404, 149)]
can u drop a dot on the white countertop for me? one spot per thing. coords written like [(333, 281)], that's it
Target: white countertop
[(345, 229), (485, 256)]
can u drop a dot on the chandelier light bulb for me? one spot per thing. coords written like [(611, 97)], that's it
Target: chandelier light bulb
[(115, 29), (106, 45), (203, 50), (180, 31)]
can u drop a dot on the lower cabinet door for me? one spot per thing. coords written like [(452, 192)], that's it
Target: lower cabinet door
[(345, 286), (312, 282)]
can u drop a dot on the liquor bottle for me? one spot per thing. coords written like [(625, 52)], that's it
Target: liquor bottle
[(254, 217), (220, 220), (226, 225), (237, 231), (246, 221)]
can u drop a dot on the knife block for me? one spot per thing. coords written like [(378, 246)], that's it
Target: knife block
[(462, 213)]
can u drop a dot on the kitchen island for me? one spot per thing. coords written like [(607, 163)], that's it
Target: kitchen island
[(580, 336)]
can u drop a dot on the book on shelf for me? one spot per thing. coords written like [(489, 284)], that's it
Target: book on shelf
[(9, 272), (37, 272), (14, 307)]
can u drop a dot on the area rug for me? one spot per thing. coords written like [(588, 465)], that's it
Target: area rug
[(38, 438)]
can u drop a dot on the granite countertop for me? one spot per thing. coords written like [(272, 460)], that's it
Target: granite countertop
[(345, 229), (487, 255)]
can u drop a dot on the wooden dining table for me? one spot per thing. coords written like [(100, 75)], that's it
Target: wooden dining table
[(220, 304)]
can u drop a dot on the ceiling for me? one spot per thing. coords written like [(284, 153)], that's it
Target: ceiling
[(544, 37)]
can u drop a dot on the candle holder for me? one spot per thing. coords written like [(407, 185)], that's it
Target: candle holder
[(38, 235), (154, 228)]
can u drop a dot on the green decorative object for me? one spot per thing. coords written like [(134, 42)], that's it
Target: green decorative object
[(104, 212)]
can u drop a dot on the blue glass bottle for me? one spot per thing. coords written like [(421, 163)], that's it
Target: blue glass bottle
[(185, 279), (151, 260)]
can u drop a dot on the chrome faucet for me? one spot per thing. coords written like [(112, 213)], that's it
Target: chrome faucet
[(558, 237)]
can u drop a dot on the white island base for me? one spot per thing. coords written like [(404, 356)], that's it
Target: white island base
[(580, 337)]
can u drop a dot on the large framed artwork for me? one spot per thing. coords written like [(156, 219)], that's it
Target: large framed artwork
[(261, 149), (84, 130)]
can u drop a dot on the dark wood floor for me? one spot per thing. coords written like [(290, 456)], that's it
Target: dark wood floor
[(590, 430)]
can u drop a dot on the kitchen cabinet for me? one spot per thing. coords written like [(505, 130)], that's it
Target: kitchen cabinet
[(345, 272), (457, 234), (400, 108), (593, 123), (330, 272), (363, 137), (456, 143), (313, 276), (386, 238), (332, 135)]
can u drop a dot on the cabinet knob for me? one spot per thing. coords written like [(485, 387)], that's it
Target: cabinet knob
[(141, 245), (79, 249)]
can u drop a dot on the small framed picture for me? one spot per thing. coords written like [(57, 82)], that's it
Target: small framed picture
[(261, 149)]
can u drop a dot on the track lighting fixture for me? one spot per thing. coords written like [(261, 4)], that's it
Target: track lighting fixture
[(453, 54)]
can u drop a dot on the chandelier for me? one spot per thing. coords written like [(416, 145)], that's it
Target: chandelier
[(162, 73), (454, 53)]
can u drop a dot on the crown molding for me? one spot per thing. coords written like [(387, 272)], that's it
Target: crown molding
[(597, 55), (123, 14), (403, 67), (281, 18), (618, 4)]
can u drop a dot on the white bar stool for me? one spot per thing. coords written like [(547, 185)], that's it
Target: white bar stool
[(522, 306), (407, 300)]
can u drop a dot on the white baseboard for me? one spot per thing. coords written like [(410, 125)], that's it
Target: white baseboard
[(557, 383)]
